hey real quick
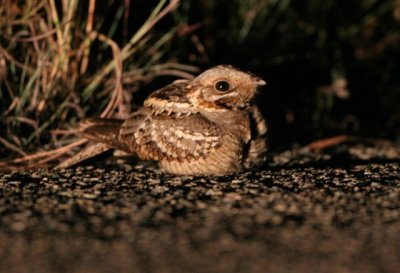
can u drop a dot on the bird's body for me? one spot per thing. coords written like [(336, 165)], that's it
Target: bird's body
[(206, 126)]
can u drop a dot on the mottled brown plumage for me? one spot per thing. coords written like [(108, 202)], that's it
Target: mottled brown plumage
[(206, 126)]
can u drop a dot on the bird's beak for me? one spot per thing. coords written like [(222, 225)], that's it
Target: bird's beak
[(259, 81)]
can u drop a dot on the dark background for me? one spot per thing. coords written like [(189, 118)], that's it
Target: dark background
[(299, 47)]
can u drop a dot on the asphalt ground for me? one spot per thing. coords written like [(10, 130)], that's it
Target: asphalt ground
[(305, 211)]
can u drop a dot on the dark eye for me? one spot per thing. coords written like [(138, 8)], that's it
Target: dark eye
[(222, 86)]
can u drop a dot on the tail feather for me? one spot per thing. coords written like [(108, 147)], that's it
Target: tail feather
[(88, 122), (86, 154), (103, 130), (106, 133)]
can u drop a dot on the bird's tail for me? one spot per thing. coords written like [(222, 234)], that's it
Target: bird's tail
[(87, 153), (108, 131), (101, 130), (106, 135)]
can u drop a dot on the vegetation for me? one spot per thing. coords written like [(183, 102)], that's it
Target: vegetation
[(332, 66), (57, 64)]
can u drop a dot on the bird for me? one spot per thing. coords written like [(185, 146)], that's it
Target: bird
[(209, 125)]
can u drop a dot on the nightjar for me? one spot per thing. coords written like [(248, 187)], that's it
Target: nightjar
[(205, 126)]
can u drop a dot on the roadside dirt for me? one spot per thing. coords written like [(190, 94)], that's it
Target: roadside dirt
[(305, 211)]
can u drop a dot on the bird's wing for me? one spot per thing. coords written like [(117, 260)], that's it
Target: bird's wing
[(170, 137), (171, 99)]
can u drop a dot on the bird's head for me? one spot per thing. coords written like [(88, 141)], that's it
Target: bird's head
[(224, 87), (219, 89)]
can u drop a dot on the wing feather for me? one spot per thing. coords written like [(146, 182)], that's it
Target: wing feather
[(163, 136)]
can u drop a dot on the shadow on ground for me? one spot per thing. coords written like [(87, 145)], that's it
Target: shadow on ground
[(304, 212)]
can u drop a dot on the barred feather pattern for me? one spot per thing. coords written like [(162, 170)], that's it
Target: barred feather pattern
[(206, 126)]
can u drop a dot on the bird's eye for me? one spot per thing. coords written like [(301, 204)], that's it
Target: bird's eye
[(222, 86)]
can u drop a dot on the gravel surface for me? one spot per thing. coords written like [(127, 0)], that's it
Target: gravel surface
[(296, 215)]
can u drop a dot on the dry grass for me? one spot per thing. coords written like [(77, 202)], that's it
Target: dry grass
[(55, 63), (61, 61)]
